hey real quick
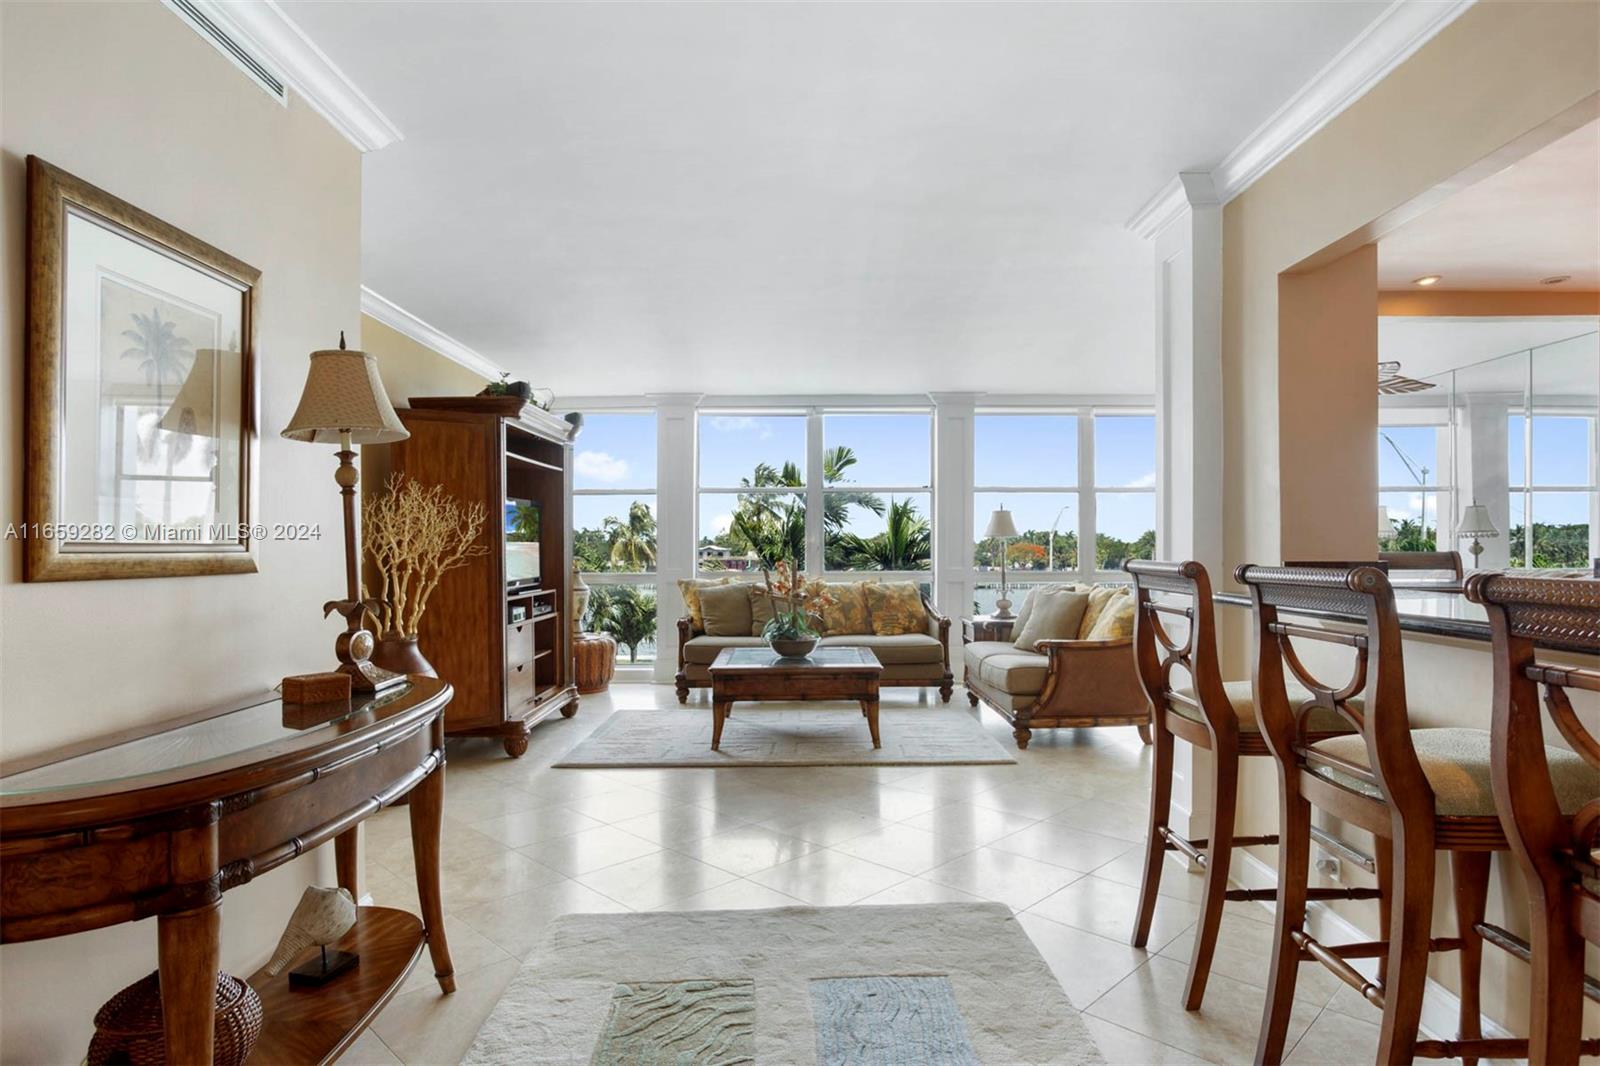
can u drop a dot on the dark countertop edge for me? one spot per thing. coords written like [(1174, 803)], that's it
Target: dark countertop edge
[(1461, 629)]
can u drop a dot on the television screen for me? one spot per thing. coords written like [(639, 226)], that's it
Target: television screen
[(522, 542)]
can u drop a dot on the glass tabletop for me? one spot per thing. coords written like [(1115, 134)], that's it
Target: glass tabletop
[(821, 658), (261, 721)]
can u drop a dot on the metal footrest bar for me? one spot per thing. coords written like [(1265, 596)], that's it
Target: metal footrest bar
[(1332, 843), (1508, 941)]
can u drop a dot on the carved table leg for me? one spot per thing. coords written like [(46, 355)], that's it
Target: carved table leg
[(427, 813), (870, 708), (346, 860), (720, 710), (188, 944)]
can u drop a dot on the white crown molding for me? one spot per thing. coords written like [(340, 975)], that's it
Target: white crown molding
[(1191, 188), (1390, 39), (400, 320), (277, 42)]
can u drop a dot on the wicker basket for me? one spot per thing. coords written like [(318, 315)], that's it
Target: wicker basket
[(128, 1028)]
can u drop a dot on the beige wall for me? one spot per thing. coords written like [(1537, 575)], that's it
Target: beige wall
[(126, 96), (1497, 73), (411, 369), (1470, 303)]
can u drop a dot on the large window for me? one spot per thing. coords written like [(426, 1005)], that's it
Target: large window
[(1552, 481), (868, 473), (1409, 486), (752, 489), (614, 527), (1069, 478)]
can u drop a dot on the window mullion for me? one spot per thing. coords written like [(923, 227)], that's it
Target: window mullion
[(1088, 557), (815, 563)]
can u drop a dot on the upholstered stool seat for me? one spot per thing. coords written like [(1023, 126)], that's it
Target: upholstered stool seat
[(1456, 764), (1241, 695)]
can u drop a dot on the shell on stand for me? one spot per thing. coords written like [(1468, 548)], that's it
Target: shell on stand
[(322, 916)]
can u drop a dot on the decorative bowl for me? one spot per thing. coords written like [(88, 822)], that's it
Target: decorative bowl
[(793, 647)]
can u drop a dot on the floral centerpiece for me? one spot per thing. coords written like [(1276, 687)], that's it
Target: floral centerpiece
[(797, 606), (414, 535)]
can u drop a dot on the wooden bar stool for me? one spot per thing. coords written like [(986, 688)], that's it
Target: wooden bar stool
[(1199, 707), (1418, 791), (1556, 853)]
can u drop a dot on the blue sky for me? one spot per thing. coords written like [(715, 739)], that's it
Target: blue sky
[(617, 451), (1560, 447)]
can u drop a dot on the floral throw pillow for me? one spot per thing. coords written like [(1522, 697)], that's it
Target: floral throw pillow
[(1116, 621), (896, 608), (848, 615)]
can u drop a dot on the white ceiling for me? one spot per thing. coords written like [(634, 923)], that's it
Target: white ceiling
[(761, 198), (1536, 219)]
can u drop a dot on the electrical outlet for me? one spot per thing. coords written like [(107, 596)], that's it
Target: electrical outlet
[(1329, 868)]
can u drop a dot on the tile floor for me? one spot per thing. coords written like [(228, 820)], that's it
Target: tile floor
[(1056, 837)]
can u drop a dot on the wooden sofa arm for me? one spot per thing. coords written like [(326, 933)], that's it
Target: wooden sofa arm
[(1091, 677), (685, 631), (938, 628)]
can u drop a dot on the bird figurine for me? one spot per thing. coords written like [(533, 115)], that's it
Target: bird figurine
[(322, 916)]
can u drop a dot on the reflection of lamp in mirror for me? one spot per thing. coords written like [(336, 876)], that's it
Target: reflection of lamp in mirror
[(344, 403), (1002, 528), (1475, 523)]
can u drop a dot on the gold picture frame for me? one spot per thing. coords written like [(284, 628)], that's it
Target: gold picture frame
[(142, 407)]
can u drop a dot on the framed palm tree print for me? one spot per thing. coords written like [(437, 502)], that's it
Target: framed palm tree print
[(141, 418)]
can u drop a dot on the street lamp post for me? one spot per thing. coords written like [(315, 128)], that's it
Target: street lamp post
[(1056, 522)]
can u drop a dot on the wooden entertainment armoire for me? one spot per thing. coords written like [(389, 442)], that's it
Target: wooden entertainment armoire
[(509, 655)]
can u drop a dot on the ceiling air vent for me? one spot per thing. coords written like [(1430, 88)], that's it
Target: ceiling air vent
[(242, 57)]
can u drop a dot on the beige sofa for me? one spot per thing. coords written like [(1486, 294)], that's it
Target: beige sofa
[(1066, 683), (909, 659)]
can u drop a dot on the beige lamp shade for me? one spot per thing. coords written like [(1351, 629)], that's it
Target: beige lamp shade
[(1001, 525), (343, 394), (193, 411), (1475, 522)]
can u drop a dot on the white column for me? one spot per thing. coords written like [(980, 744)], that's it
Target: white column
[(675, 519), (1188, 338), (1486, 475), (952, 510)]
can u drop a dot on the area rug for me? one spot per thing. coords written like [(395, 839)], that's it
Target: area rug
[(755, 736), (946, 984)]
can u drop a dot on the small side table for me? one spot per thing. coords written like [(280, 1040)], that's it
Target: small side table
[(594, 661), (986, 627)]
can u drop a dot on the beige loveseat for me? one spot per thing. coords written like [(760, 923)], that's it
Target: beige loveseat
[(916, 659), (1085, 678)]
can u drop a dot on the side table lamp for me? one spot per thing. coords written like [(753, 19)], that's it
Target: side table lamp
[(344, 403), (1475, 523), (1001, 527)]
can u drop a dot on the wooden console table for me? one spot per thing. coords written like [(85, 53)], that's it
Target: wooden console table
[(163, 821)]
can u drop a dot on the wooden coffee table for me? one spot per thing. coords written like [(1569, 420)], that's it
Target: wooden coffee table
[(829, 673)]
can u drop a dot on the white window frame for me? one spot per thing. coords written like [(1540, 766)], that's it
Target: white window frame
[(1396, 418), (1087, 571), (1520, 483)]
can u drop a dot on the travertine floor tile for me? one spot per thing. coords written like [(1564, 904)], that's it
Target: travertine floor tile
[(826, 878), (1108, 909), (426, 1027), (1015, 880)]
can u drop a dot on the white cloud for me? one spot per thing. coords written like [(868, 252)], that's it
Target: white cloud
[(600, 466), (721, 524), (731, 423), (1144, 481)]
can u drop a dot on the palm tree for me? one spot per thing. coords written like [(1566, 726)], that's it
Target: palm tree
[(160, 352), (632, 541), (905, 544), (626, 613)]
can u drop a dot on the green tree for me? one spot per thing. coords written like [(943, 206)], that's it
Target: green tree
[(632, 541), (1410, 536), (905, 544), (590, 549), (1553, 545), (624, 611)]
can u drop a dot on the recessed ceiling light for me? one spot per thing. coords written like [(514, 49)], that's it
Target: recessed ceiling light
[(1427, 279), (1555, 279)]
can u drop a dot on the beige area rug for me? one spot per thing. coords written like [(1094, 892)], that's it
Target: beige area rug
[(755, 736), (932, 985)]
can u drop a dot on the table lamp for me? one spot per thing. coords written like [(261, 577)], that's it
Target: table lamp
[(1475, 523), (1001, 527), (344, 403)]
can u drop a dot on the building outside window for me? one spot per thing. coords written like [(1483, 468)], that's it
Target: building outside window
[(614, 528)]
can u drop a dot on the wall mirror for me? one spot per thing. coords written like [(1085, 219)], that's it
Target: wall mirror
[(141, 420)]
